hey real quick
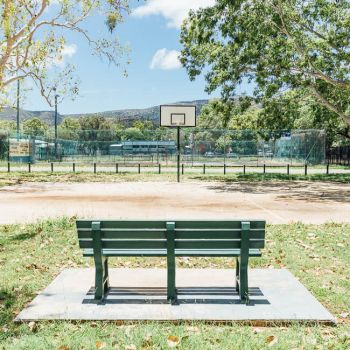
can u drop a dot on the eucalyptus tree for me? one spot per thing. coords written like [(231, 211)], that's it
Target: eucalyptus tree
[(33, 40), (278, 45)]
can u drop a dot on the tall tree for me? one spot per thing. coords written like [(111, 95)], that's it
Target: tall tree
[(95, 132), (7, 125), (294, 110), (32, 39), (69, 129), (35, 127), (277, 44)]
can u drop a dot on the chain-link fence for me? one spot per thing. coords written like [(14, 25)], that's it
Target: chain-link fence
[(197, 146)]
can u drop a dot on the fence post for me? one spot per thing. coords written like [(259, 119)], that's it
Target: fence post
[(116, 168), (94, 168), (139, 168), (73, 167), (29, 168), (264, 168), (287, 169), (159, 168), (52, 167), (327, 169), (203, 168), (305, 170), (244, 169), (8, 167), (224, 168), (182, 169)]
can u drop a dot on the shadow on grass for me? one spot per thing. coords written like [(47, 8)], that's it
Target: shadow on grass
[(274, 184), (24, 236), (7, 301), (31, 232), (342, 178)]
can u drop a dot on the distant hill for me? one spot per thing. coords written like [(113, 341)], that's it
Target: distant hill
[(47, 116), (124, 116)]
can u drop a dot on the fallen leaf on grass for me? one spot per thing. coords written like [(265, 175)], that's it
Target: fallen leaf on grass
[(192, 329), (127, 329), (300, 242), (271, 340), (130, 347), (257, 330), (173, 341), (327, 332), (32, 326), (147, 342), (100, 345), (63, 347)]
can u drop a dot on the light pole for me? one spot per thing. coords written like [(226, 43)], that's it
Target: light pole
[(56, 96), (18, 91)]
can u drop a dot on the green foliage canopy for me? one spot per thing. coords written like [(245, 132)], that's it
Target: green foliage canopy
[(35, 127), (7, 125), (33, 37), (277, 44)]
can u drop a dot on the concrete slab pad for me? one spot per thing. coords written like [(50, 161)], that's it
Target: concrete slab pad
[(204, 294)]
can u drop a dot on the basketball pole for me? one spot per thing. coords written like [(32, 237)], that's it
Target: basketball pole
[(178, 154)]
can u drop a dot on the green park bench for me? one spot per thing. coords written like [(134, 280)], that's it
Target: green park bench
[(192, 238)]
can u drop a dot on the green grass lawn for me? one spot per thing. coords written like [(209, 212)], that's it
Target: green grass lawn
[(32, 255), (14, 178)]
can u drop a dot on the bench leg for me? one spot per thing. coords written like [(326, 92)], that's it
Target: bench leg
[(171, 288), (237, 275), (243, 263), (99, 281), (106, 276), (243, 279), (101, 278)]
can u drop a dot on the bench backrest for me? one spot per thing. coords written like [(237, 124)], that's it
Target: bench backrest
[(194, 234)]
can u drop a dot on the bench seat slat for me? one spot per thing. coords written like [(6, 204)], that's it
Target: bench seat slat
[(85, 233), (182, 224), (125, 233), (123, 224), (178, 252), (126, 244), (217, 234), (218, 224), (179, 244), (216, 244)]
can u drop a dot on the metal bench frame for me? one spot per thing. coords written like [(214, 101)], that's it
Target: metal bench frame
[(244, 247)]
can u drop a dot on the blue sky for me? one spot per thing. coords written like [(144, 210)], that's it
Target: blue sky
[(104, 87), (154, 75)]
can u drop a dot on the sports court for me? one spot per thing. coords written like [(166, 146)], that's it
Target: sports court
[(275, 202)]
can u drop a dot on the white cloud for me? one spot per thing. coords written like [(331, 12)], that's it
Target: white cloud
[(166, 60), (68, 51), (175, 11)]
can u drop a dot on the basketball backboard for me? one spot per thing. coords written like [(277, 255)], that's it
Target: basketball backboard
[(178, 115)]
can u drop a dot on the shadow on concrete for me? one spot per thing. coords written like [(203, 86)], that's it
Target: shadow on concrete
[(186, 295)]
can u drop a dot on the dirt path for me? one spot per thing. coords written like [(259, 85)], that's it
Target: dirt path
[(281, 202)]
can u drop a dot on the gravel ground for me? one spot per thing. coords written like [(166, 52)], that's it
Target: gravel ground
[(276, 202)]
